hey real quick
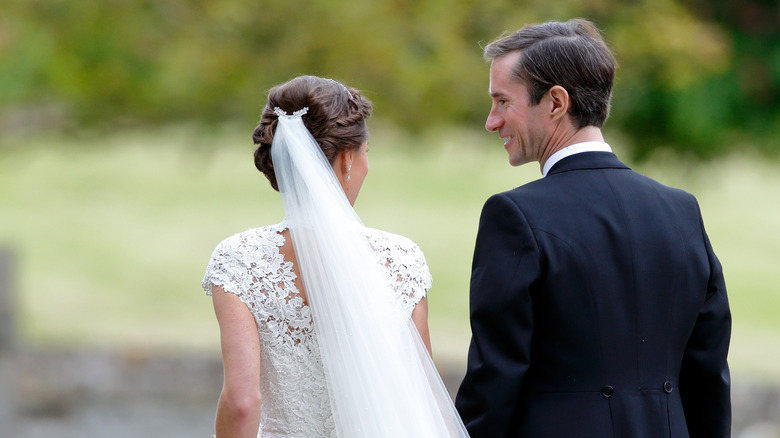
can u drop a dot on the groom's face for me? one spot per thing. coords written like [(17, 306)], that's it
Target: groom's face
[(517, 123)]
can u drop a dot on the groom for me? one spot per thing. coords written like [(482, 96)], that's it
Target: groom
[(598, 308)]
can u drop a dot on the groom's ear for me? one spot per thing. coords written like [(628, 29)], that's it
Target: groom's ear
[(559, 101)]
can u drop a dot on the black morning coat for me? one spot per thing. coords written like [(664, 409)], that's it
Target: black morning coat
[(598, 309)]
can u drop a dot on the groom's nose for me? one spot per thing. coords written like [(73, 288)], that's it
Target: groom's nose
[(493, 121)]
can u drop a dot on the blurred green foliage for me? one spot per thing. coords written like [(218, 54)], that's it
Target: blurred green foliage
[(701, 76)]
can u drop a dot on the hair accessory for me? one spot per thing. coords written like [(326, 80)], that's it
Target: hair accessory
[(280, 112), (342, 86)]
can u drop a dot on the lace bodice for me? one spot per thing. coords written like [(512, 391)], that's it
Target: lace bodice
[(294, 394)]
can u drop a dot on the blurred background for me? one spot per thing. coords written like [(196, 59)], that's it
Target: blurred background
[(125, 157)]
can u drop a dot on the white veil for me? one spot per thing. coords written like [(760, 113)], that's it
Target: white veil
[(381, 380)]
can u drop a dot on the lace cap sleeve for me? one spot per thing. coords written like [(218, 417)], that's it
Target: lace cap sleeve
[(225, 270), (248, 264), (406, 265)]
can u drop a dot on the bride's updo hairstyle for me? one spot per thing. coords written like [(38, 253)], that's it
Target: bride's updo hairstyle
[(336, 118)]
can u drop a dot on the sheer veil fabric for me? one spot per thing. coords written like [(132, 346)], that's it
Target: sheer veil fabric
[(381, 380)]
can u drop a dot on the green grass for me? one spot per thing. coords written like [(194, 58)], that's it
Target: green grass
[(113, 233)]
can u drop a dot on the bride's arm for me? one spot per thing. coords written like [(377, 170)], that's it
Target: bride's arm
[(238, 409), (420, 319)]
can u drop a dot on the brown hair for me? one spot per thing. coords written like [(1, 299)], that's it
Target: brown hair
[(336, 118), (571, 54)]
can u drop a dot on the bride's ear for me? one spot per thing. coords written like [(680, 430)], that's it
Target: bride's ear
[(341, 165)]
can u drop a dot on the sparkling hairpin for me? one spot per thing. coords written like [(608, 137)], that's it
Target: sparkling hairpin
[(342, 86), (280, 112)]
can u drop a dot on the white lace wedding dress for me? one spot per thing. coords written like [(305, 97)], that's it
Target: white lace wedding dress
[(294, 394)]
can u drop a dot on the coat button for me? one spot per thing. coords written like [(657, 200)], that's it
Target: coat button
[(668, 386), (607, 391)]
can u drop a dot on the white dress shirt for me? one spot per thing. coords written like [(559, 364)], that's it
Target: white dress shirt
[(577, 148)]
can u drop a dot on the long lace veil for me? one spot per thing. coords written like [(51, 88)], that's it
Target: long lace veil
[(381, 380)]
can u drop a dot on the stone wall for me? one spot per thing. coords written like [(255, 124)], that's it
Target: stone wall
[(59, 394)]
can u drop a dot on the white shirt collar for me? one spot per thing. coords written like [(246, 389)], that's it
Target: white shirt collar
[(577, 148)]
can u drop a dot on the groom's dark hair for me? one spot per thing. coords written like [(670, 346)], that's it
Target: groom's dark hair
[(572, 55)]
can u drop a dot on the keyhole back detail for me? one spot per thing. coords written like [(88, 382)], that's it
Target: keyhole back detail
[(288, 252)]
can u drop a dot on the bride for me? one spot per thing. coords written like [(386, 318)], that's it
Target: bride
[(323, 322)]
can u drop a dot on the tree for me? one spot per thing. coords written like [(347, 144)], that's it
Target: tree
[(694, 74)]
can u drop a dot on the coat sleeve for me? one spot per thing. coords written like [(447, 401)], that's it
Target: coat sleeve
[(505, 265), (705, 384)]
